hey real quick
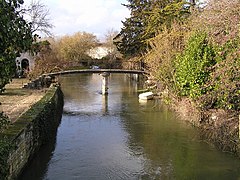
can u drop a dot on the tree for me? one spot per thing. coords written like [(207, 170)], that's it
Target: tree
[(220, 19), (47, 59), (113, 53), (129, 41), (160, 18), (38, 15), (15, 37), (147, 19), (75, 48), (165, 47)]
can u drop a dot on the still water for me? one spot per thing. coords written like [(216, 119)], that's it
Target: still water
[(118, 137)]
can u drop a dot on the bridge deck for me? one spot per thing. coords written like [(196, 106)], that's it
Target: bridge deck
[(125, 71)]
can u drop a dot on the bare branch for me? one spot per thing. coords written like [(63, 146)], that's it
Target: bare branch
[(38, 16)]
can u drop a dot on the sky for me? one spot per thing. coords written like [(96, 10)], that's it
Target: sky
[(92, 16)]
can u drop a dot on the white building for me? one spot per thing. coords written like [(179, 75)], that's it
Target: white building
[(98, 52), (24, 63)]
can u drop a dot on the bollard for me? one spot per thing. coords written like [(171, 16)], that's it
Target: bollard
[(105, 76)]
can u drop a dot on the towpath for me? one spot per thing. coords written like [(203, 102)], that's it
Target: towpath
[(15, 100)]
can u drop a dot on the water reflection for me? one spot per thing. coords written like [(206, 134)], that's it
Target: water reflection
[(173, 150), (105, 104), (117, 137)]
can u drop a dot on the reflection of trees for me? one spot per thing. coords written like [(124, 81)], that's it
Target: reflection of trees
[(82, 93), (105, 104), (158, 138), (80, 87), (73, 85)]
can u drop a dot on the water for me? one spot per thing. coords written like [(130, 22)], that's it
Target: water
[(118, 137)]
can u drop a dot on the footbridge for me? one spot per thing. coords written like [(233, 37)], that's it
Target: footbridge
[(99, 71), (103, 72)]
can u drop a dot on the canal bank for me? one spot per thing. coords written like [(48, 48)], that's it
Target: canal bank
[(217, 126), (32, 129)]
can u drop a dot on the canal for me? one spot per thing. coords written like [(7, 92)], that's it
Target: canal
[(118, 137)]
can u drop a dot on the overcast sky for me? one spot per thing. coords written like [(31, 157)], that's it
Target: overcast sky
[(92, 16)]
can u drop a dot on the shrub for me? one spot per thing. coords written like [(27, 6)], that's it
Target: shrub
[(193, 66), (164, 48), (225, 79)]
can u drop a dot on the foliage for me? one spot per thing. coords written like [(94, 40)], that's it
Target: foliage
[(220, 18), (162, 18), (204, 68), (146, 20), (164, 48), (129, 41), (76, 47), (40, 46), (63, 53), (193, 67), (46, 60), (15, 37), (225, 79)]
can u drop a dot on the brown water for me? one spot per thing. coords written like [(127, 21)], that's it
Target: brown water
[(118, 137)]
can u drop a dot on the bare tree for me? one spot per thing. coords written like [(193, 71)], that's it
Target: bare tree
[(113, 53), (38, 15)]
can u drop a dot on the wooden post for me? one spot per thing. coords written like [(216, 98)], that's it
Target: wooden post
[(105, 76)]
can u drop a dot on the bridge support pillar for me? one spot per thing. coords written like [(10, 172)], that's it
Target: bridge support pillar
[(105, 76), (134, 77)]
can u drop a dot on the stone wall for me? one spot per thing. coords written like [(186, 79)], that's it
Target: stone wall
[(23, 139)]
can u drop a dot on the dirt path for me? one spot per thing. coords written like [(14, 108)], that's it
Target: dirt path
[(15, 100)]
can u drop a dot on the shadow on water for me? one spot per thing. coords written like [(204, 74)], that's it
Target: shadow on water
[(38, 166)]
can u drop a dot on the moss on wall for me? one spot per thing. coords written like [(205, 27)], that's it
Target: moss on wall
[(34, 128)]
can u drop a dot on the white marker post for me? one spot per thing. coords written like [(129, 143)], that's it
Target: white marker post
[(105, 76)]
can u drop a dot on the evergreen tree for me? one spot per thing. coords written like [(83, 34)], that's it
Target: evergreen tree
[(129, 41), (148, 17)]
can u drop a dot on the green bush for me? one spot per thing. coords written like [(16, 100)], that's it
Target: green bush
[(193, 66), (225, 79)]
